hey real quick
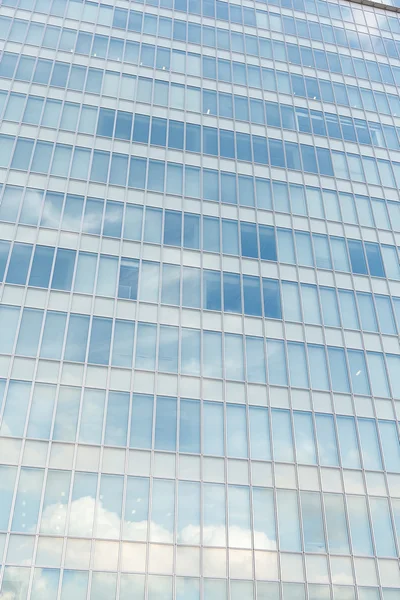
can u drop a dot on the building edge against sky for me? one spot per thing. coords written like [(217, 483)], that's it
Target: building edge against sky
[(199, 300)]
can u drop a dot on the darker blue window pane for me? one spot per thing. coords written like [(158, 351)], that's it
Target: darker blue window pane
[(141, 421), (19, 264), (158, 132), (191, 231), (113, 219), (41, 267), (267, 243), (128, 279), (100, 339), (243, 147), (77, 338), (232, 293), (165, 432), (4, 250), (272, 299), (227, 141), (260, 150), (309, 160), (357, 257), (210, 141), (193, 138), (252, 296), (248, 237), (93, 216), (63, 269), (276, 155), (173, 228), (175, 135), (141, 129), (105, 124), (325, 162), (120, 18), (135, 21), (374, 259), (123, 126), (212, 290), (189, 426)]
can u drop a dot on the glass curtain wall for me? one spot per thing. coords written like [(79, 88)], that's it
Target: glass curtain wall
[(199, 300)]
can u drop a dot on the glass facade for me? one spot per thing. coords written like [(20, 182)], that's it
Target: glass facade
[(199, 300)]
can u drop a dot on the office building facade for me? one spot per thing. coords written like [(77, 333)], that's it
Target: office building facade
[(199, 300)]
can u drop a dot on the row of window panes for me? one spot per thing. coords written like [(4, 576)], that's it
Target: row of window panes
[(37, 156), (103, 14), (74, 585), (71, 116), (257, 45), (115, 84), (358, 15), (256, 241), (93, 12), (167, 348), (301, 517), (156, 56), (195, 427), (96, 216), (223, 39), (197, 138), (191, 287), (341, 12), (215, 142)]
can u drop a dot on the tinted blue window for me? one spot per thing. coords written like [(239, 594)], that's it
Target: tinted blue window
[(4, 250), (141, 129), (212, 290), (357, 257), (248, 237), (141, 421), (374, 259), (41, 266), (105, 124), (100, 339), (252, 295), (128, 279), (191, 231), (158, 132), (267, 243), (63, 269), (173, 228), (175, 135), (165, 429), (123, 125), (232, 292), (193, 137), (113, 219), (272, 299), (189, 428), (19, 264), (116, 419), (77, 338)]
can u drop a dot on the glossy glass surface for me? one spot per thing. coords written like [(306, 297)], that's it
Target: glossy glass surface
[(199, 300)]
